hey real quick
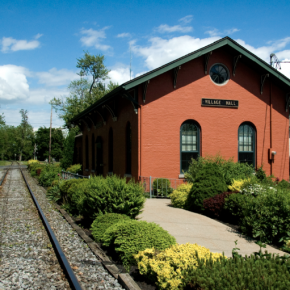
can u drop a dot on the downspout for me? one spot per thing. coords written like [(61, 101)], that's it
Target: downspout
[(271, 129)]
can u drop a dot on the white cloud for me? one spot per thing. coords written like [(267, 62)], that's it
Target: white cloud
[(161, 51), (12, 44), (94, 38), (216, 32), (186, 19), (13, 83), (14, 87), (164, 28), (285, 68), (265, 51), (120, 74), (55, 77), (125, 34)]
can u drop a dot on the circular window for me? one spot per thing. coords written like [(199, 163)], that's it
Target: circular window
[(219, 74)]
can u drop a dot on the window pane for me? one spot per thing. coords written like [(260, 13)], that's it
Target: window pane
[(186, 159)]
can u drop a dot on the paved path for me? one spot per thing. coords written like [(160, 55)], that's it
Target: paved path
[(190, 227)]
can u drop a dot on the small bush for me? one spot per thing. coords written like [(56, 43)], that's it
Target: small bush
[(31, 161), (103, 222), (208, 183), (76, 168), (179, 196), (48, 174), (165, 268), (249, 273), (71, 193), (130, 237), (162, 187), (283, 184), (229, 169), (34, 166), (214, 206), (111, 195), (261, 174), (266, 216)]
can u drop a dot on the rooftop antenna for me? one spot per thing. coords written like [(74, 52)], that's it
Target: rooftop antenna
[(130, 62), (275, 62)]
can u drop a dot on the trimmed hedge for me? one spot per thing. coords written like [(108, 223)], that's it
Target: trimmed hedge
[(251, 273), (128, 238), (165, 268), (179, 196), (209, 182), (103, 222), (111, 195)]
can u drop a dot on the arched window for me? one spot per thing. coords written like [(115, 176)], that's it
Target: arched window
[(189, 144), (100, 165), (128, 149), (93, 153), (111, 150), (247, 148), (87, 152)]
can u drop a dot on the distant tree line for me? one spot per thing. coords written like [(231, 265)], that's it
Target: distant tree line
[(22, 143)]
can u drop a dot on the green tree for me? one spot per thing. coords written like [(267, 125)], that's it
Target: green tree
[(42, 143), (83, 93), (68, 150), (24, 136)]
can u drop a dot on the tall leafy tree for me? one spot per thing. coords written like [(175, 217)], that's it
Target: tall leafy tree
[(42, 143), (24, 136), (69, 144), (85, 91)]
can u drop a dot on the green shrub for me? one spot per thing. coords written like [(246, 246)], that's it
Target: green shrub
[(33, 167), (165, 268), (76, 168), (53, 193), (283, 184), (48, 174), (209, 182), (229, 169), (130, 237), (261, 174), (162, 187), (103, 222), (179, 196), (111, 195), (266, 216), (251, 273), (71, 192)]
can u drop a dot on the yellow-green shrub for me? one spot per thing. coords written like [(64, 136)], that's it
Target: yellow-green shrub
[(237, 184), (32, 161), (166, 268), (179, 196), (76, 168)]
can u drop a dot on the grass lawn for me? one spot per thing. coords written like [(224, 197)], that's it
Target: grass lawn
[(4, 163)]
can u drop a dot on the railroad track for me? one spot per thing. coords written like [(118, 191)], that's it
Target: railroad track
[(38, 249)]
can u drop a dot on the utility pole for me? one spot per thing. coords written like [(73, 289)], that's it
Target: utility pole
[(49, 158)]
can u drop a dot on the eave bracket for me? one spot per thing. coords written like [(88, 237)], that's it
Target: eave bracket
[(175, 73), (133, 102), (207, 56), (82, 120), (114, 117), (145, 85), (287, 101), (263, 78), (236, 59), (102, 117)]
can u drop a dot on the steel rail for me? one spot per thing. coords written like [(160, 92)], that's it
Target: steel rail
[(1, 181), (63, 260)]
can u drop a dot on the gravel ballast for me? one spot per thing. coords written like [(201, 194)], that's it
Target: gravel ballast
[(28, 260)]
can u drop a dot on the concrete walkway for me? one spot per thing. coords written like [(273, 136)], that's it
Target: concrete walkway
[(190, 227)]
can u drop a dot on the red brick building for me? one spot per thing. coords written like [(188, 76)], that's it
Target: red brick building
[(220, 98)]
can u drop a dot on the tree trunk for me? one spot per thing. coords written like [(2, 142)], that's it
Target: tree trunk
[(20, 156)]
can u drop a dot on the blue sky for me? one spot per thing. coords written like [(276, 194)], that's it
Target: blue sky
[(41, 40)]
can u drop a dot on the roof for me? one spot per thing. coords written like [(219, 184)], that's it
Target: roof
[(226, 41)]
